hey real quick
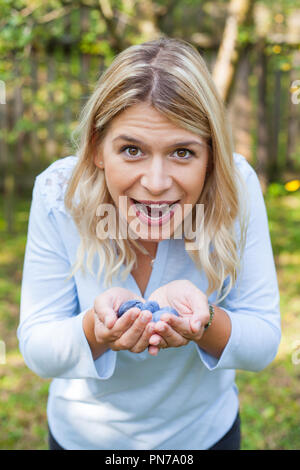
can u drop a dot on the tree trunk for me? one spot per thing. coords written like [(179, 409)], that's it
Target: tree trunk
[(9, 175), (263, 139), (293, 118), (239, 110), (273, 158), (229, 50), (33, 139)]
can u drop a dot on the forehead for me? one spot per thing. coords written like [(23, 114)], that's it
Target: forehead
[(143, 120)]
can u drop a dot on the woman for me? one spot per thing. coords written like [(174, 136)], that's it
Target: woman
[(155, 147)]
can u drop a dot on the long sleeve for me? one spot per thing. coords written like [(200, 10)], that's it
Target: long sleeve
[(253, 302), (50, 333)]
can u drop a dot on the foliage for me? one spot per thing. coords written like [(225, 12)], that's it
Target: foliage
[(270, 399), (53, 52)]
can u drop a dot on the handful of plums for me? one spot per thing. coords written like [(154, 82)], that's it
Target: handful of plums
[(151, 305)]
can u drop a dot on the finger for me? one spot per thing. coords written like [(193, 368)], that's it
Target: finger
[(171, 337), (199, 305), (143, 341), (179, 324), (184, 325), (110, 319), (153, 350), (107, 316), (113, 333), (158, 340), (195, 324), (134, 333), (108, 307)]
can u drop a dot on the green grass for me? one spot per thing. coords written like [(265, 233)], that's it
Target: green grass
[(270, 399)]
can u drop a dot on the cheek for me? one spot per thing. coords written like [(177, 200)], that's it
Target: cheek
[(115, 180), (118, 181), (193, 184)]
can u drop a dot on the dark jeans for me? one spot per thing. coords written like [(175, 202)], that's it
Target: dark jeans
[(230, 441)]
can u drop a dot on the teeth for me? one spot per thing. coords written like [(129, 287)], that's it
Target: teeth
[(157, 206), (154, 210)]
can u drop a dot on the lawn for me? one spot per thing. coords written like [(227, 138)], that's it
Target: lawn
[(270, 399)]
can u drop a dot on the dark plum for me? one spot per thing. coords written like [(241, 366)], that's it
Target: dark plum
[(150, 305), (156, 315), (127, 305)]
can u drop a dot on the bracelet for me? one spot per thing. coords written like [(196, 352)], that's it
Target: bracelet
[(211, 316)]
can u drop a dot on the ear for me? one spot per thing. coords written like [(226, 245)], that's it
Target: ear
[(98, 162), (97, 152)]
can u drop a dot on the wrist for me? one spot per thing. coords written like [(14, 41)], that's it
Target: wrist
[(97, 347), (211, 316), (216, 336)]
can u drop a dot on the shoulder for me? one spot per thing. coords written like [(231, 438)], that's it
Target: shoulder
[(52, 182), (248, 177), (244, 167)]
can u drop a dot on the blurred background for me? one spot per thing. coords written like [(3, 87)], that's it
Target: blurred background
[(51, 55)]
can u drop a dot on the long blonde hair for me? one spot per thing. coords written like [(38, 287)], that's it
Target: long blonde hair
[(171, 75)]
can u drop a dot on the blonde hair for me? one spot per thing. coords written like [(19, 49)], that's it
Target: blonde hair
[(171, 75)]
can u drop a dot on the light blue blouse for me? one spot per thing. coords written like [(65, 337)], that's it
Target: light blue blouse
[(181, 399)]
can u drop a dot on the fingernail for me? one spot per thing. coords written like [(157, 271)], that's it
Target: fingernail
[(197, 325), (133, 315), (146, 317), (161, 327)]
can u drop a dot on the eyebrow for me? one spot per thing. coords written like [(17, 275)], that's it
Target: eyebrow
[(176, 144)]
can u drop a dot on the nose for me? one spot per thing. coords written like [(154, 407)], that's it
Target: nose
[(156, 178)]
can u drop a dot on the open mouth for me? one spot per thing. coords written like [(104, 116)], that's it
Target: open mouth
[(153, 212)]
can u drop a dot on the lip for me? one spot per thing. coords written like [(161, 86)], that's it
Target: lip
[(155, 202), (150, 222)]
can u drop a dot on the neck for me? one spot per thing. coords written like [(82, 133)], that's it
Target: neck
[(150, 246), (148, 249)]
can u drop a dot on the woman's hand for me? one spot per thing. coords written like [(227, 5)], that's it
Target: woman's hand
[(131, 331), (191, 304)]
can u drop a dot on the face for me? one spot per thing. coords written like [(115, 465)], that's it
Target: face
[(154, 170)]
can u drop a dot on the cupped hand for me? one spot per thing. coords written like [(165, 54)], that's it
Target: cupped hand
[(131, 331), (191, 304)]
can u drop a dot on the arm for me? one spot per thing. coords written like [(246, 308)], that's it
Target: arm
[(96, 347), (245, 332), (252, 305), (51, 335), (216, 337), (192, 305)]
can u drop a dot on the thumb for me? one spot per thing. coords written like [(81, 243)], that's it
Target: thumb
[(110, 318), (106, 315), (196, 318), (195, 323)]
